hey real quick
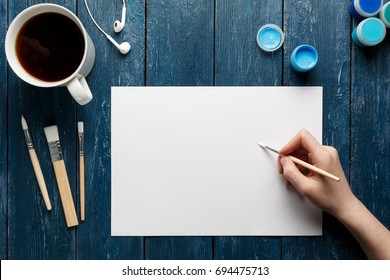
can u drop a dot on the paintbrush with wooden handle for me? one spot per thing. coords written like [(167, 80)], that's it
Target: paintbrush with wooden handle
[(61, 175), (36, 165), (304, 164), (80, 127)]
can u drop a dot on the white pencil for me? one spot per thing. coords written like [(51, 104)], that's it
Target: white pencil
[(80, 127), (61, 175), (36, 165), (304, 164)]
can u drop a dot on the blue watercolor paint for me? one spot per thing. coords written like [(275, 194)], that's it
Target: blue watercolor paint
[(360, 9), (270, 37), (303, 58), (369, 32), (355, 38), (385, 14)]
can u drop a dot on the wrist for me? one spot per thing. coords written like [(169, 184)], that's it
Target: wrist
[(348, 211)]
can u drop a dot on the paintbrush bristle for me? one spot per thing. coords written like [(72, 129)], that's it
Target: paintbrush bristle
[(262, 145), (51, 133), (80, 126), (24, 123)]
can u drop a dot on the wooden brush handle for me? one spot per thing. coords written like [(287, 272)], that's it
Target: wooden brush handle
[(82, 189), (314, 168), (65, 193), (40, 179)]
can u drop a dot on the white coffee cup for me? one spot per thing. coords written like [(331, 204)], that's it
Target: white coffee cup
[(75, 82)]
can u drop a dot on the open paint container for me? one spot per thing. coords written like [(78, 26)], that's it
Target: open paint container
[(384, 14), (270, 37), (360, 9), (369, 32), (303, 58)]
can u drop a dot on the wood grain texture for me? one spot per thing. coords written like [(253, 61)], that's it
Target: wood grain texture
[(33, 232), (65, 193), (240, 62), (326, 26), (370, 119), (238, 59), (82, 188), (180, 52), (40, 178), (111, 68), (3, 135), (180, 43)]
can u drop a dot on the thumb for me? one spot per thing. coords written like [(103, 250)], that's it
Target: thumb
[(292, 174)]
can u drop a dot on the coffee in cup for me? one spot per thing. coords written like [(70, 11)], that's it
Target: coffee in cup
[(47, 46)]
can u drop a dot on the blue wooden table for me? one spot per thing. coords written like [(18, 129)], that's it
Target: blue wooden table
[(190, 43)]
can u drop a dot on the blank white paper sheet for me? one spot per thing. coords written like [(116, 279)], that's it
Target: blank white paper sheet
[(185, 161)]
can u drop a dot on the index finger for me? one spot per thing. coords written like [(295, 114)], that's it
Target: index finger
[(302, 140)]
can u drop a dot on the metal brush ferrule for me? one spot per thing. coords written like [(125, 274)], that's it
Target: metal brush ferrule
[(28, 139), (81, 143), (55, 151)]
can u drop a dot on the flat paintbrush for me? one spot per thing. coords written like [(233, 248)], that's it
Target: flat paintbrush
[(36, 165), (303, 163), (61, 175), (80, 127)]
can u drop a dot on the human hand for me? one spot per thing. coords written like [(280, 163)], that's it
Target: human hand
[(333, 197)]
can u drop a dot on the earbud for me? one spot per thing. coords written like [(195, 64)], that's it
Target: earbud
[(118, 25), (124, 48)]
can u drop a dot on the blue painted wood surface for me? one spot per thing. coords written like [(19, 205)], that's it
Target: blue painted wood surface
[(94, 239), (176, 43), (3, 135)]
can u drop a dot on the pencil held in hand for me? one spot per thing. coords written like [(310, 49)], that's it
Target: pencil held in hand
[(36, 165), (304, 164)]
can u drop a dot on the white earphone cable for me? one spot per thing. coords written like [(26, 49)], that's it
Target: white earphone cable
[(97, 25), (124, 47)]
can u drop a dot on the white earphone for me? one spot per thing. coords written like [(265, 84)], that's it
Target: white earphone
[(124, 47), (118, 25)]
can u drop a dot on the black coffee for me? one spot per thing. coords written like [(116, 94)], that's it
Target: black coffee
[(50, 47)]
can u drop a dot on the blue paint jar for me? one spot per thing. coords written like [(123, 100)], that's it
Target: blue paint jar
[(270, 37), (361, 9), (384, 14), (303, 58), (369, 32)]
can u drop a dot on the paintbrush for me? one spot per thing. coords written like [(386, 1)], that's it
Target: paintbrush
[(36, 165), (61, 175), (80, 126), (303, 163)]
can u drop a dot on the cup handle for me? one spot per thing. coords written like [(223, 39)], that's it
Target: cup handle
[(79, 89)]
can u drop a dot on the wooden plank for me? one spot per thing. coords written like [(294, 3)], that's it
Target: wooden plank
[(240, 62), (35, 233), (326, 26), (180, 52), (3, 136), (370, 140), (111, 68)]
